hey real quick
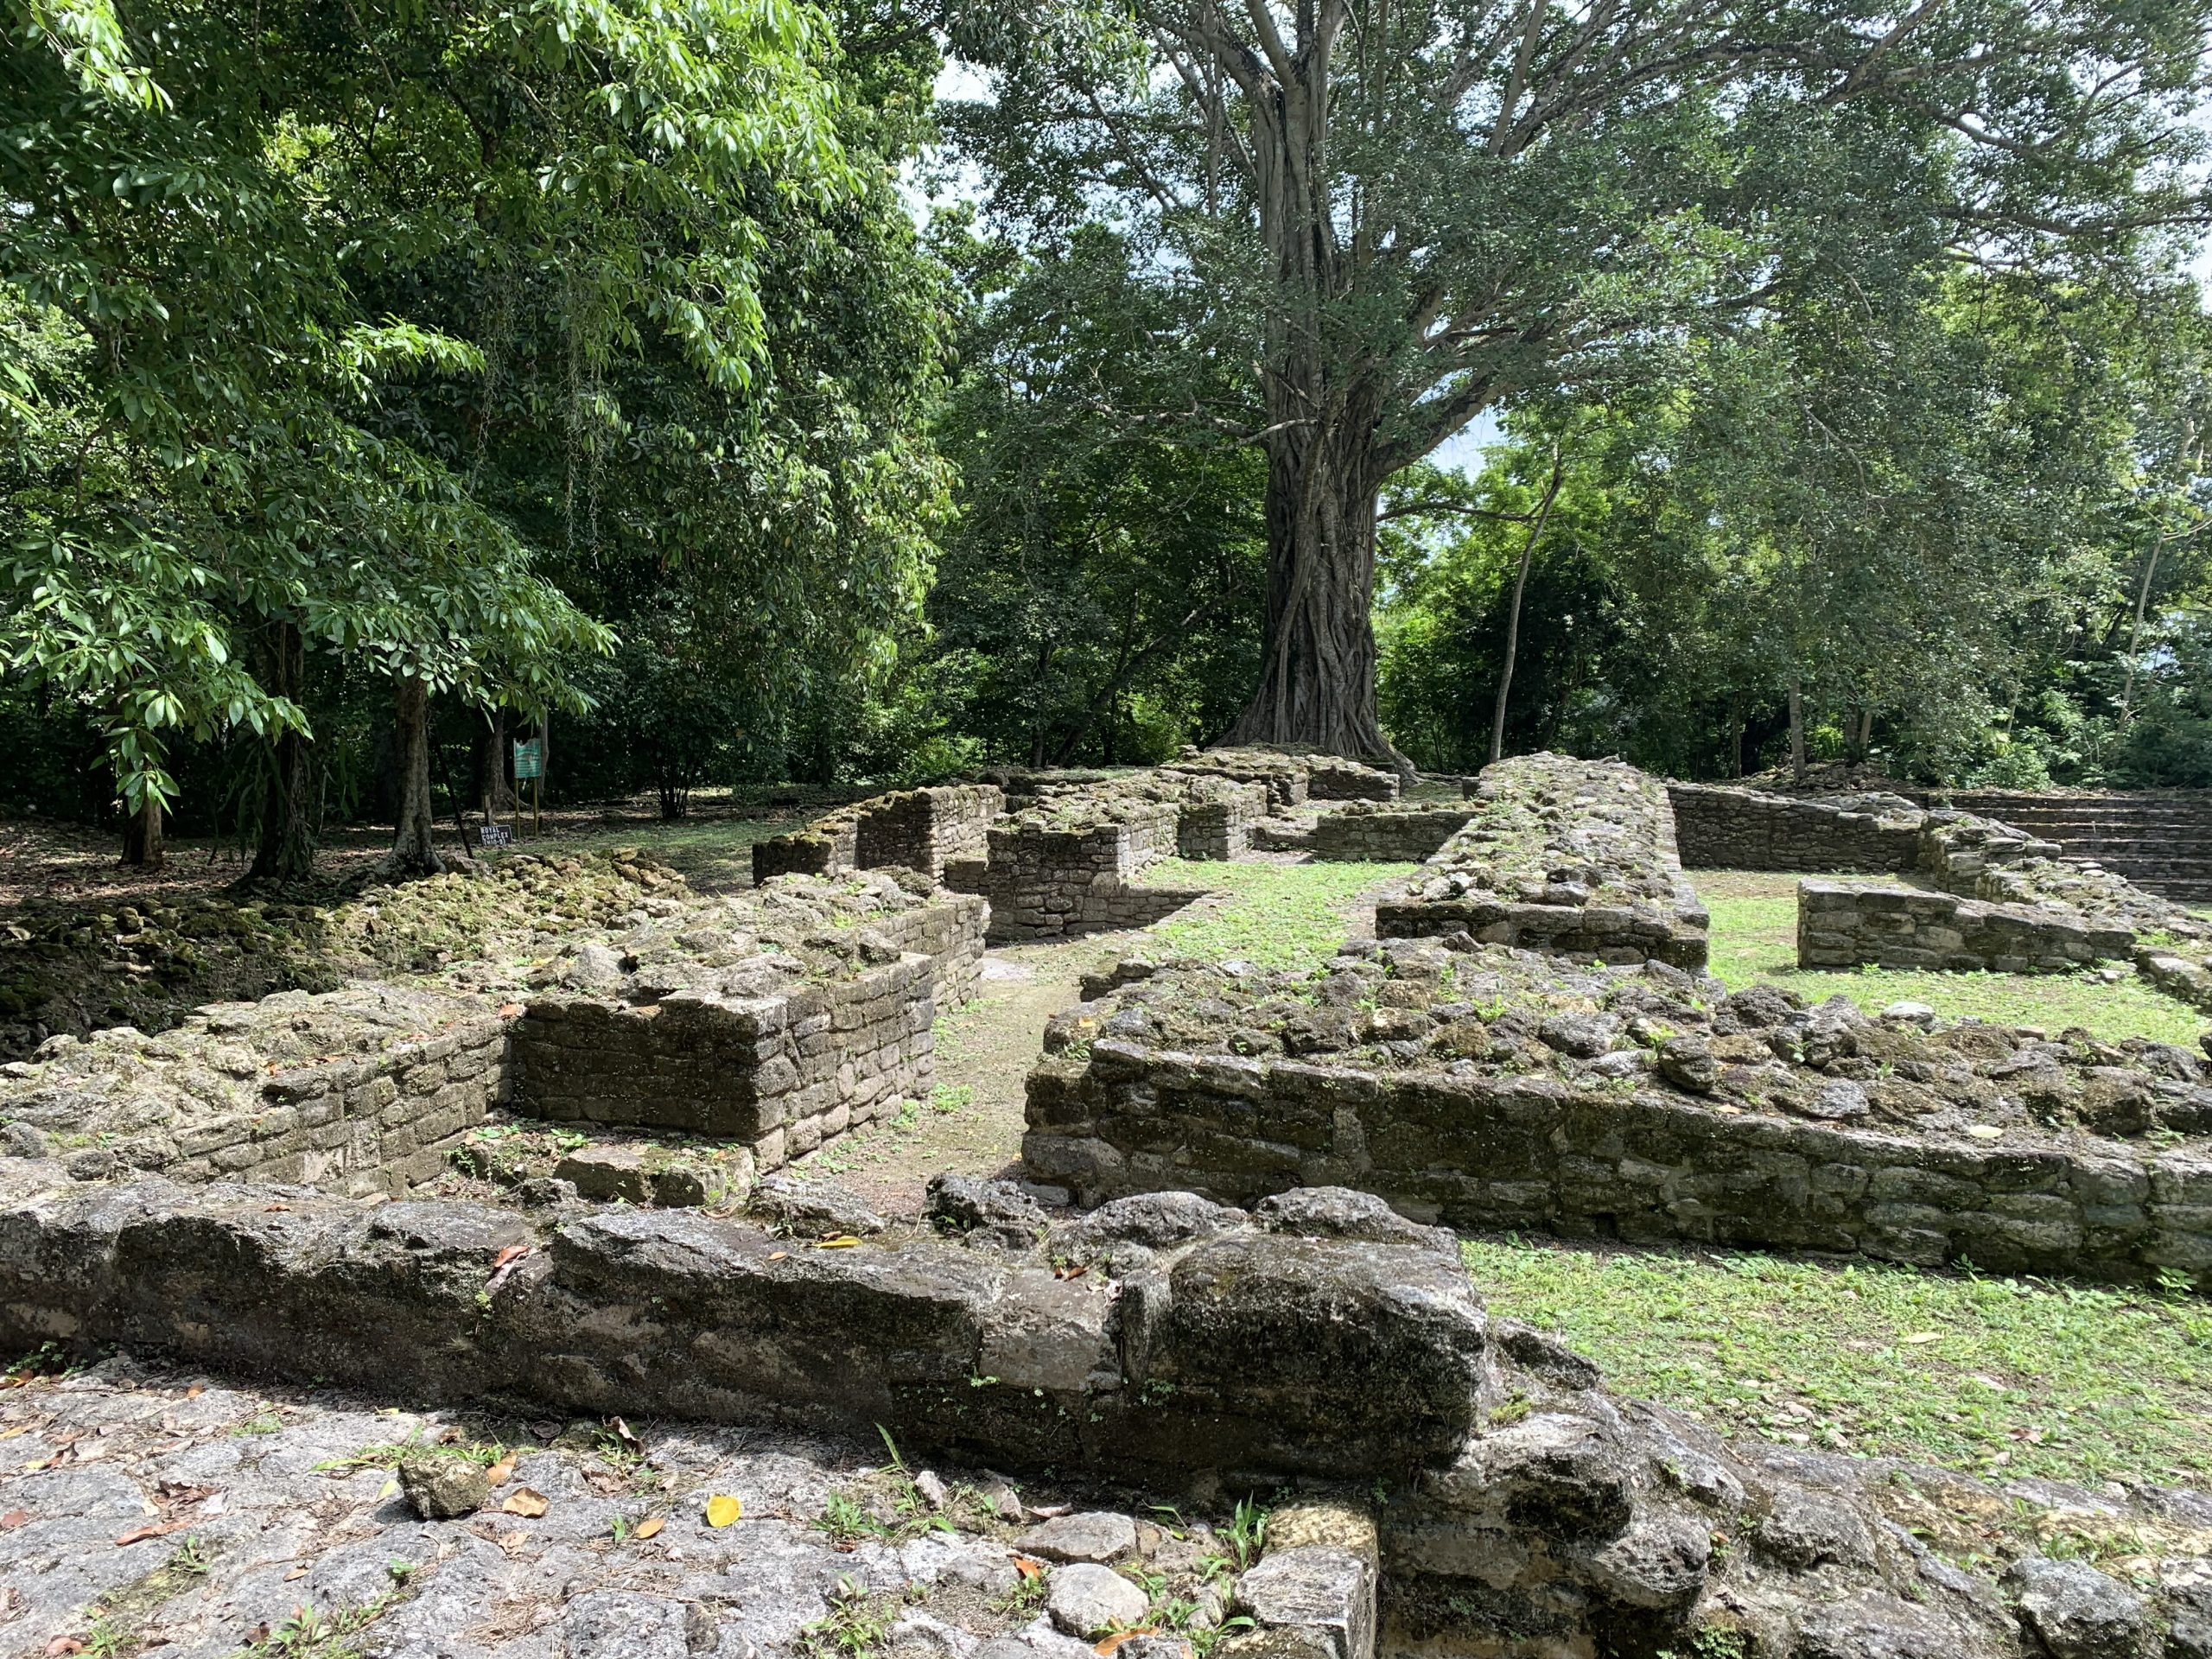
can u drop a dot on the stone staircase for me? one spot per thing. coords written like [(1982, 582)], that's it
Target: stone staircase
[(2161, 840)]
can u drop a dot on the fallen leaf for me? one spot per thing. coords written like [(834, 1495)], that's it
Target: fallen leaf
[(195, 1391), (139, 1534), (1919, 1338), (506, 1263), (64, 1644), (1028, 1569), (502, 1472), (1119, 1637), (622, 1434), (508, 1010), (779, 1255), (842, 1241), (650, 1526), (11, 1433), (14, 1518), (525, 1503), (722, 1510), (1985, 1132), (297, 1573)]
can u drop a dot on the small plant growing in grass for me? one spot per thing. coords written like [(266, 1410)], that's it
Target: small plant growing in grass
[(854, 1627), (949, 1097)]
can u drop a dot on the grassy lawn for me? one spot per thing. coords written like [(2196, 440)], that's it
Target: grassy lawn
[(1275, 915), (1997, 1376), (1754, 939)]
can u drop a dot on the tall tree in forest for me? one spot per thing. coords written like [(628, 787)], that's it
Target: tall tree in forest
[(236, 233), (1400, 213)]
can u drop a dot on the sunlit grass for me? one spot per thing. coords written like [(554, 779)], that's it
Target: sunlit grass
[(1999, 1376), (1275, 915), (1755, 939)]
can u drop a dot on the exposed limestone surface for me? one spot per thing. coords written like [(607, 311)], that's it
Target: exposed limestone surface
[(1565, 855), (1490, 1087), (363, 1089), (245, 1507)]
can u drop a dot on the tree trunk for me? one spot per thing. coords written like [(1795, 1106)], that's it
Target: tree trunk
[(286, 851), (414, 845), (142, 836), (498, 795), (1797, 731), (1513, 617), (1317, 677)]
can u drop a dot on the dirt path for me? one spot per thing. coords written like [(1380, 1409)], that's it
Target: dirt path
[(972, 1123)]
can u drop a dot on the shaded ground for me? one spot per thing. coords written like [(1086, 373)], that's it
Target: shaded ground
[(150, 1510)]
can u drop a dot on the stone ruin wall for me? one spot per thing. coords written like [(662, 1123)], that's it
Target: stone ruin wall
[(1840, 925), (1504, 1154), (1602, 823), (1467, 1484), (925, 829), (913, 829), (1386, 834), (780, 1073), (1722, 828), (1045, 880), (360, 1091)]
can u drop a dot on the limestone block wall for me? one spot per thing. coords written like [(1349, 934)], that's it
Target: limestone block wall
[(1842, 925), (1045, 879), (826, 847), (1332, 778), (361, 1091), (1561, 855), (1386, 834), (1216, 816), (1721, 828), (1532, 1152), (924, 828), (779, 1074)]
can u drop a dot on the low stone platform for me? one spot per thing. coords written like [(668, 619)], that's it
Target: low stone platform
[(364, 1090), (1571, 858), (1493, 1089), (1841, 925), (1385, 834), (1721, 828), (777, 1020)]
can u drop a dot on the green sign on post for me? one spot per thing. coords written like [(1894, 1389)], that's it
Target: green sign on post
[(530, 761)]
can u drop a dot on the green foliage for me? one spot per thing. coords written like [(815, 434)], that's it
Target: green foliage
[(1935, 519), (1098, 600)]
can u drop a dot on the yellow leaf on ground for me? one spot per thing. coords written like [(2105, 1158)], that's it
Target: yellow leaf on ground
[(722, 1510), (842, 1241), (1028, 1569), (651, 1525), (525, 1503), (1119, 1637), (1985, 1132), (500, 1472)]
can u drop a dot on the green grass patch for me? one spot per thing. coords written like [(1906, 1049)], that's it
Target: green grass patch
[(1755, 940), (1275, 915), (2002, 1377)]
